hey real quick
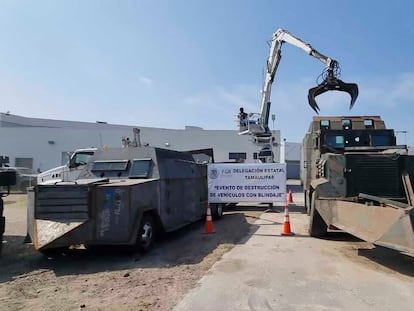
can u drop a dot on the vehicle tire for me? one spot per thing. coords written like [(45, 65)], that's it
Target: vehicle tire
[(217, 210), (54, 252), (317, 226), (230, 206), (146, 233)]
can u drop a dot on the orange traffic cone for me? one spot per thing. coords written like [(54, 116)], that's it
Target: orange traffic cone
[(290, 197), (286, 223), (209, 228)]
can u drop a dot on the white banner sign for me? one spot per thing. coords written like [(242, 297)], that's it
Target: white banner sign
[(251, 182)]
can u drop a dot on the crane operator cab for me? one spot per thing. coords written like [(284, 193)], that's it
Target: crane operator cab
[(251, 123)]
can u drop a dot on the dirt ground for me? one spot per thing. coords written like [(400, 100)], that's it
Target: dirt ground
[(110, 279)]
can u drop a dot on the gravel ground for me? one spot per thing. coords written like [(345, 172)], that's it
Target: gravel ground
[(111, 279)]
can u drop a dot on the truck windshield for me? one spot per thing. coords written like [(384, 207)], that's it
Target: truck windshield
[(81, 158)]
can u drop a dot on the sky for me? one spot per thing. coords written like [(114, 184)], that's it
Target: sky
[(169, 64)]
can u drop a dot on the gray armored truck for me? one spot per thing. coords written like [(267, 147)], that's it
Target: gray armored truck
[(356, 179), (124, 196)]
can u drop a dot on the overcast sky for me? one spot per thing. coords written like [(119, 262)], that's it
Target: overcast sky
[(164, 63)]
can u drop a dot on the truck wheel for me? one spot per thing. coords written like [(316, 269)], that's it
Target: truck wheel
[(231, 205), (217, 210), (54, 252), (146, 233), (317, 226)]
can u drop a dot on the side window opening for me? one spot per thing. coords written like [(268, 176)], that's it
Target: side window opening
[(140, 168)]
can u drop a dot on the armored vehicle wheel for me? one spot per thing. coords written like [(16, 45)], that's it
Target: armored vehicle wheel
[(54, 252), (217, 210), (317, 226), (146, 233)]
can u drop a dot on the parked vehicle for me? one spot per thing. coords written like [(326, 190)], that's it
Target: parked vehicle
[(123, 196), (358, 180), (25, 177), (69, 171)]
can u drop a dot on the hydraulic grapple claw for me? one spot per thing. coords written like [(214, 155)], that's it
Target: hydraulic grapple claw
[(332, 84)]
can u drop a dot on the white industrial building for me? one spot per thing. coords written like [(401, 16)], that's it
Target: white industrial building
[(41, 144)]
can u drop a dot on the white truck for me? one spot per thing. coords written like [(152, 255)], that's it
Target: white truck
[(70, 171)]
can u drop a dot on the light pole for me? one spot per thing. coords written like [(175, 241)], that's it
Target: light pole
[(283, 151)]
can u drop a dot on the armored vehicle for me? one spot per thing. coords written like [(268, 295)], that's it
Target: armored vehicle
[(357, 179), (123, 196)]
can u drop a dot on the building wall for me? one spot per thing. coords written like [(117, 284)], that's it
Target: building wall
[(45, 140)]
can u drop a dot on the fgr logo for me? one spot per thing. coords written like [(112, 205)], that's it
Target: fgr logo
[(226, 171), (214, 174)]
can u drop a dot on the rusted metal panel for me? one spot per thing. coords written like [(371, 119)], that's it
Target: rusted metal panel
[(385, 224), (408, 187), (400, 235), (47, 231)]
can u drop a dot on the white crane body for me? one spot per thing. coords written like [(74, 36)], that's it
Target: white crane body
[(257, 124)]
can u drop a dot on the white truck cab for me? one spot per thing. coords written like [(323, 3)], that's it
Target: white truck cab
[(70, 171)]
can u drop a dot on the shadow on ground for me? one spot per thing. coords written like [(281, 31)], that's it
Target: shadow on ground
[(388, 258), (340, 236), (187, 246), (293, 208), (392, 259)]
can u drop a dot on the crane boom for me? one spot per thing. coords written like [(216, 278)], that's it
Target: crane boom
[(279, 37), (257, 124)]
